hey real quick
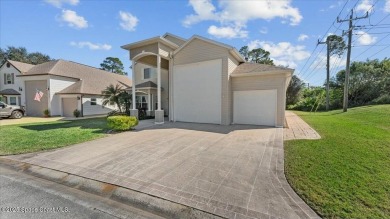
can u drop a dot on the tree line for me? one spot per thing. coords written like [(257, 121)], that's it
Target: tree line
[(369, 83), (20, 54)]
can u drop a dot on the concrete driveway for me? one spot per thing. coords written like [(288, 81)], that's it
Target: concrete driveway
[(232, 171)]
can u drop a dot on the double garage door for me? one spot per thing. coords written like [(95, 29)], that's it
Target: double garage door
[(197, 92)]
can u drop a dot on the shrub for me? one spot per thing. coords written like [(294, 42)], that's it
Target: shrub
[(46, 112), (116, 113), (383, 99), (121, 123), (76, 113)]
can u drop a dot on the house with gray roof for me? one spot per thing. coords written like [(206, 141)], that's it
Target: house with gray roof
[(204, 81), (65, 85)]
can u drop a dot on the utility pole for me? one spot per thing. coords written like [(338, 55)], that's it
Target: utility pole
[(347, 70), (327, 42)]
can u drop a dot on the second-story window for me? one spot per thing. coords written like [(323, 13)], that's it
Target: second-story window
[(147, 73), (9, 78)]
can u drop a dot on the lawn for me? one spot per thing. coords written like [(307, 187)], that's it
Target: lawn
[(16, 139), (346, 174)]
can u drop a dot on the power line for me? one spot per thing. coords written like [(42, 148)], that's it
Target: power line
[(379, 52), (370, 47), (302, 72)]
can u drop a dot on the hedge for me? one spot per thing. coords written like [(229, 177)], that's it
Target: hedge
[(121, 123)]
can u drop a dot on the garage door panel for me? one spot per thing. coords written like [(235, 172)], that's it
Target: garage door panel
[(197, 96), (33, 107), (255, 107), (68, 106)]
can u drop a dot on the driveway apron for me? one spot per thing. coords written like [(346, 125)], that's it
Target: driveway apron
[(232, 171)]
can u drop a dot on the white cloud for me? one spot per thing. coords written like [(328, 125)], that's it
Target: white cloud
[(283, 53), (73, 19), (364, 6), (204, 10), (59, 3), (236, 14), (303, 37), (264, 30), (227, 32), (387, 6), (128, 21), (91, 46), (365, 38)]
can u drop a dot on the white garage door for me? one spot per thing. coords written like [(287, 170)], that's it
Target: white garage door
[(255, 107), (197, 92)]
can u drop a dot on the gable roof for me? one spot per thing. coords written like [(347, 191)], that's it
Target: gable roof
[(20, 66), (258, 69), (231, 49), (90, 80), (149, 41), (179, 40)]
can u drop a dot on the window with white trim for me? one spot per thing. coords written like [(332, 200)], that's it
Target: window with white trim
[(12, 101), (141, 102), (149, 73), (9, 78), (93, 101)]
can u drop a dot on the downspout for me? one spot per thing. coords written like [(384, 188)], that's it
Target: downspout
[(82, 108)]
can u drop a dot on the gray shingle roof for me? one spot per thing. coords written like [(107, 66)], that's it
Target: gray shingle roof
[(9, 92), (146, 84), (92, 80), (22, 67), (248, 68)]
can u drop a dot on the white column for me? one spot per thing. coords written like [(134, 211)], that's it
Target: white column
[(158, 82), (149, 102), (133, 85)]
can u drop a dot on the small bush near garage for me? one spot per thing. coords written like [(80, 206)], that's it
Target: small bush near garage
[(76, 113), (121, 123)]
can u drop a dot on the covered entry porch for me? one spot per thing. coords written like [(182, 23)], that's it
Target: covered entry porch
[(150, 77)]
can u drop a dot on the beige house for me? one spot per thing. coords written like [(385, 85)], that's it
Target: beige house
[(66, 86), (203, 81)]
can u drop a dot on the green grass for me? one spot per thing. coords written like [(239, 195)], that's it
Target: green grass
[(346, 174), (17, 139)]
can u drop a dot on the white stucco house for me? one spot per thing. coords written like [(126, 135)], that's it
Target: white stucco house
[(204, 81), (65, 85)]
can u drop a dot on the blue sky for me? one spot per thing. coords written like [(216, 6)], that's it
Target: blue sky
[(88, 31)]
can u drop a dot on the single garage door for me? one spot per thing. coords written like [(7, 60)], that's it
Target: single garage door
[(197, 92), (33, 107), (255, 107), (68, 106)]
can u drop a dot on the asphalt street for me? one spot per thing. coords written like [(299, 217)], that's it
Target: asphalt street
[(24, 196)]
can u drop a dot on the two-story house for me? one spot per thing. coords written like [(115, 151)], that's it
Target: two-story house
[(11, 87), (204, 81)]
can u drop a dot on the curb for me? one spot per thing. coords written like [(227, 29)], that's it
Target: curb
[(146, 202)]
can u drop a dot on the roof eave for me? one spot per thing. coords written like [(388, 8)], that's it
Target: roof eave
[(287, 73), (148, 41)]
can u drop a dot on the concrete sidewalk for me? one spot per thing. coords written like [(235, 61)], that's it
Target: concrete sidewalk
[(231, 171), (298, 129)]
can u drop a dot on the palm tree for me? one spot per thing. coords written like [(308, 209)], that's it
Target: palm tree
[(112, 95)]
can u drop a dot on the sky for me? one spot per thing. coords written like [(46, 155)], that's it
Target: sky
[(88, 31)]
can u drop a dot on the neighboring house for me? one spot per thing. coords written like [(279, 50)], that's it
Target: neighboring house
[(66, 86), (11, 88), (204, 81)]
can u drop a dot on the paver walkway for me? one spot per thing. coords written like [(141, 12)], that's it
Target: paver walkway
[(298, 129), (232, 171)]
